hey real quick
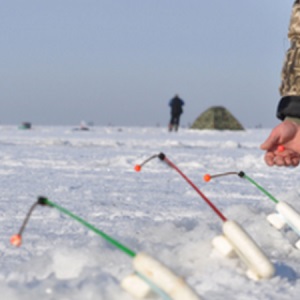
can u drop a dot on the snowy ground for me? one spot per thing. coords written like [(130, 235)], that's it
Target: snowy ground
[(154, 211)]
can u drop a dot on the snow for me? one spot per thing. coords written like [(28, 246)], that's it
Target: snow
[(91, 173)]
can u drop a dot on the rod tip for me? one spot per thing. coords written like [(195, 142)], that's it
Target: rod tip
[(161, 156), (206, 177), (16, 240), (137, 168)]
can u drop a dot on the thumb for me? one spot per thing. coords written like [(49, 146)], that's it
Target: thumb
[(271, 142)]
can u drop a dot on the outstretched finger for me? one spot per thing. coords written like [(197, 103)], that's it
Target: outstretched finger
[(288, 161), (269, 158), (295, 161), (270, 143), (279, 161)]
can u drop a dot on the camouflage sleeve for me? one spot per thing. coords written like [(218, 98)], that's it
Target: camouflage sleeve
[(289, 105)]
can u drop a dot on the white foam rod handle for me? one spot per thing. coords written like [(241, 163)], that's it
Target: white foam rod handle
[(290, 215), (163, 277), (258, 263), (136, 286)]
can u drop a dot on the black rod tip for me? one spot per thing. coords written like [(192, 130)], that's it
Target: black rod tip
[(161, 156), (42, 200), (241, 174)]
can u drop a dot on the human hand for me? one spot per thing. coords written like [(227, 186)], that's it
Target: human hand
[(287, 134)]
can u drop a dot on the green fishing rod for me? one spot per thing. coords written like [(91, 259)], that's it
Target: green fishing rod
[(208, 177), (149, 274), (286, 213), (16, 240)]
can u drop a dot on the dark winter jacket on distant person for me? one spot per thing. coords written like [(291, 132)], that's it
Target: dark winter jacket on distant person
[(176, 106), (176, 110)]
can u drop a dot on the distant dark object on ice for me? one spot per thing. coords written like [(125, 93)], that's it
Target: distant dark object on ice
[(25, 125), (217, 117), (82, 127)]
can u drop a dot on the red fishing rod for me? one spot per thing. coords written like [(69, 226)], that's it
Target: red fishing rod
[(164, 158), (234, 240)]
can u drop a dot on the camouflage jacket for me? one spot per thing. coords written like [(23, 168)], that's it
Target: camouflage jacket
[(289, 105)]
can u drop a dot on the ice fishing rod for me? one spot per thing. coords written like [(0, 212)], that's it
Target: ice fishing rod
[(235, 240), (163, 157), (208, 177), (286, 214), (149, 274), (16, 240)]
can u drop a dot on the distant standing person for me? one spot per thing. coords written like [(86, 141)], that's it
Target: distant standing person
[(176, 110)]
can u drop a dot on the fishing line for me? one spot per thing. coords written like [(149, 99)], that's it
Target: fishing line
[(16, 239)]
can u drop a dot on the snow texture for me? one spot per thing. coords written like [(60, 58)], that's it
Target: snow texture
[(91, 173)]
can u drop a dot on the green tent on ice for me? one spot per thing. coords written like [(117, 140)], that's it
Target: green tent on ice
[(217, 117)]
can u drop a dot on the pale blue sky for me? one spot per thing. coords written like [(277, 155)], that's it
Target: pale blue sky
[(120, 61)]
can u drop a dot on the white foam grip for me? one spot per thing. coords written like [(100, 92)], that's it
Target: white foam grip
[(223, 246), (297, 245), (276, 221), (290, 215), (164, 278), (248, 250), (135, 286)]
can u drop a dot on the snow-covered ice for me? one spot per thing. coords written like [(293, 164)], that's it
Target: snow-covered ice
[(155, 211)]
